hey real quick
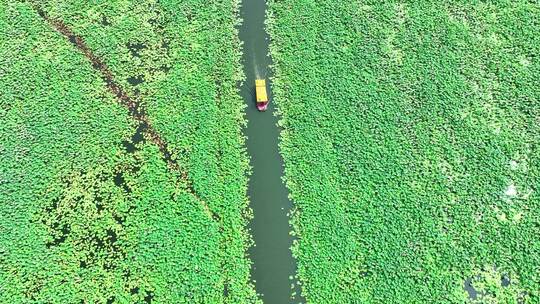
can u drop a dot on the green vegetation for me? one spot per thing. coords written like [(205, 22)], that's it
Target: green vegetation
[(91, 209), (412, 147)]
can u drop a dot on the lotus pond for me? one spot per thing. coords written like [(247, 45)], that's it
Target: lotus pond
[(410, 138), (412, 148), (122, 166)]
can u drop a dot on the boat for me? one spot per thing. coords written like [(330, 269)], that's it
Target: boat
[(262, 96)]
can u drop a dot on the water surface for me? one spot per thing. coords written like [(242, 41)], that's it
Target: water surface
[(273, 264)]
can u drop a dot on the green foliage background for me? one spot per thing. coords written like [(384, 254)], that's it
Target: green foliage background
[(82, 220), (412, 147)]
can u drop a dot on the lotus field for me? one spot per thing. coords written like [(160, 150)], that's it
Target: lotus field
[(410, 136), (412, 148), (122, 167)]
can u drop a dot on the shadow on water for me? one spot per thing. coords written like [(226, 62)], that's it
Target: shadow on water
[(274, 267)]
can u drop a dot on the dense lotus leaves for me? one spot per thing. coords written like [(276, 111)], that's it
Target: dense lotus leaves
[(90, 211), (411, 137)]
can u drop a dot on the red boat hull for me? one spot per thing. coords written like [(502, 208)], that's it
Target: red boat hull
[(262, 106)]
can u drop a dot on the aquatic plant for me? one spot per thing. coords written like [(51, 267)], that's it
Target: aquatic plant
[(122, 167), (411, 142)]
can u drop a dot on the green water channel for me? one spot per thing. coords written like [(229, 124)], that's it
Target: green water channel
[(273, 264)]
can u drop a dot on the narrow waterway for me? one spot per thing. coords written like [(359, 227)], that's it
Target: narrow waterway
[(273, 264)]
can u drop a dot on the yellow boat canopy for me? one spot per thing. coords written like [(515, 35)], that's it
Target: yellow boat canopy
[(260, 88)]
